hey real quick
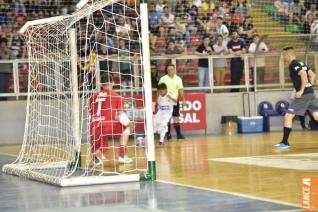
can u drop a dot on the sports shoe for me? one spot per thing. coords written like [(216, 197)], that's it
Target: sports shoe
[(181, 137), (282, 146), (125, 160), (169, 137), (98, 162), (161, 144)]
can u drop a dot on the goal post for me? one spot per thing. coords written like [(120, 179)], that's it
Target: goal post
[(68, 55)]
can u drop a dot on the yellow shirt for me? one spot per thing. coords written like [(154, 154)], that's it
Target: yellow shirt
[(173, 84)]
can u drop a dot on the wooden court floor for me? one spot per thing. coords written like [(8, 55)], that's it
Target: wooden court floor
[(241, 164)]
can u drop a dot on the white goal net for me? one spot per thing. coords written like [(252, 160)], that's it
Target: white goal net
[(75, 133)]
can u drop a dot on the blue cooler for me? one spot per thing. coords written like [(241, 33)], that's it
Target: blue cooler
[(252, 124)]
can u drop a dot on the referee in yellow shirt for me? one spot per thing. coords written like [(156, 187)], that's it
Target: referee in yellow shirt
[(175, 87)]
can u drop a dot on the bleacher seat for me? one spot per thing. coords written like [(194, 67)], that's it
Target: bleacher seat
[(266, 108), (281, 107), (191, 79)]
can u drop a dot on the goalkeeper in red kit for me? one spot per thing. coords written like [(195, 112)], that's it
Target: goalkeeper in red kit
[(108, 119)]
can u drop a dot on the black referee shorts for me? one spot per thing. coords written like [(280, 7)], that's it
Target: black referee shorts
[(176, 110)]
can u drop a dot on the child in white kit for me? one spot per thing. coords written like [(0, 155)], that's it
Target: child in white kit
[(165, 103)]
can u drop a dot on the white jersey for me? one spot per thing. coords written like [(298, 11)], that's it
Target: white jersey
[(165, 104), (164, 114)]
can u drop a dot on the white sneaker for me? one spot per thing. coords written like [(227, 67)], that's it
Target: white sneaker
[(125, 160), (98, 162)]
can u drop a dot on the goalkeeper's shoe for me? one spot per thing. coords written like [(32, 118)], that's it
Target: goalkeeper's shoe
[(124, 160), (98, 162)]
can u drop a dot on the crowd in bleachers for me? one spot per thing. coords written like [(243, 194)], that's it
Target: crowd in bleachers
[(177, 27), (15, 13), (186, 22), (303, 13)]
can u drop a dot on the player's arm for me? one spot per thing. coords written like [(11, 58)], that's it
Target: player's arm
[(172, 97), (312, 76), (181, 94), (303, 77)]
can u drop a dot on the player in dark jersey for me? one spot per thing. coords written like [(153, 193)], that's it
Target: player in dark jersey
[(303, 78), (108, 119)]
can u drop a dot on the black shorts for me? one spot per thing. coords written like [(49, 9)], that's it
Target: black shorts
[(176, 110), (299, 106)]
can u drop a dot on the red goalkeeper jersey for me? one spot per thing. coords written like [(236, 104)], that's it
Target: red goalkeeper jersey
[(105, 105)]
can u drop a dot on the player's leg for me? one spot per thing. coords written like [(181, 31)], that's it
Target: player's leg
[(288, 124), (313, 108), (168, 131), (123, 127), (176, 124), (99, 144), (297, 107), (162, 126)]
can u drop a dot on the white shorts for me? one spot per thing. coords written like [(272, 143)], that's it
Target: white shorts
[(161, 122)]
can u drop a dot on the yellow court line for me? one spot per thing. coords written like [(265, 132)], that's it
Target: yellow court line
[(232, 193)]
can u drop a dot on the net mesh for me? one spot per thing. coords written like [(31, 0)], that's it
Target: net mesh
[(108, 44)]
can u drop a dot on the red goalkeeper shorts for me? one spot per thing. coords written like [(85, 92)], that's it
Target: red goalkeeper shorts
[(101, 131)]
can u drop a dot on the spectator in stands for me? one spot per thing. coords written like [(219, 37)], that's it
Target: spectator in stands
[(6, 69), (125, 67), (154, 18), (181, 28), (211, 23), (172, 48), (173, 35), (296, 8), (232, 21), (205, 49), (19, 7), (106, 49), (152, 43), (307, 24), (244, 9), (162, 32), (122, 28), (193, 40), (16, 43), (207, 7), (223, 9), (314, 30), (236, 18), (185, 17), (312, 10), (220, 64), (213, 36), (237, 48), (167, 19), (260, 60), (154, 74), (183, 46), (247, 31), (221, 29), (160, 6), (281, 11)]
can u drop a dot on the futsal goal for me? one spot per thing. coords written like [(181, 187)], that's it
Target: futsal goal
[(68, 55)]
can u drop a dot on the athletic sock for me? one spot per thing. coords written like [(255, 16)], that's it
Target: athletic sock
[(286, 135), (122, 151), (178, 130), (162, 136), (302, 121), (168, 132)]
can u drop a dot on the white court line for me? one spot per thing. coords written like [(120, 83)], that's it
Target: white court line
[(232, 193), (8, 154), (295, 210)]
